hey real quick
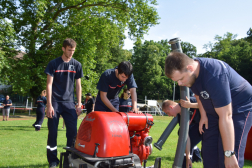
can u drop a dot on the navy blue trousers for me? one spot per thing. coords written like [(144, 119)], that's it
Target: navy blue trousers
[(195, 138), (212, 149), (68, 112), (39, 117)]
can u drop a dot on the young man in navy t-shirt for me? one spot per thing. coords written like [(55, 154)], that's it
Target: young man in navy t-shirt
[(110, 84), (62, 73), (225, 102)]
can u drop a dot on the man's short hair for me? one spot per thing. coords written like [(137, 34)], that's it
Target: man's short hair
[(167, 103), (69, 42), (176, 61), (126, 68)]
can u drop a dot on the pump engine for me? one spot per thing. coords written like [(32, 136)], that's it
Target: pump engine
[(111, 139)]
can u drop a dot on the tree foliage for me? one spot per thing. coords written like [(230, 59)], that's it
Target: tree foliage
[(96, 25), (148, 61), (237, 53), (7, 41)]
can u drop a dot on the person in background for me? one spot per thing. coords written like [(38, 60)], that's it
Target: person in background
[(125, 101), (40, 112), (6, 110), (89, 106)]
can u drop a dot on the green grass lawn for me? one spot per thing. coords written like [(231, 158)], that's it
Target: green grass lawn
[(23, 147)]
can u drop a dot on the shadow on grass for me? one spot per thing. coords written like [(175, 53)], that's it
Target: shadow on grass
[(15, 128), (21, 116), (27, 166), (153, 158)]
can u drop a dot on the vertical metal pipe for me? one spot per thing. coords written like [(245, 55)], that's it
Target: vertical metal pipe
[(184, 120)]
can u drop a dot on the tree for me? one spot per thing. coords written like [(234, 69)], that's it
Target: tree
[(249, 33), (189, 49), (96, 26), (237, 53), (7, 40), (148, 63)]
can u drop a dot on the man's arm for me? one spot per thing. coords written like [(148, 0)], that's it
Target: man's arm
[(134, 100), (78, 94), (226, 128), (187, 151), (203, 116), (187, 104), (50, 110), (93, 107), (106, 101)]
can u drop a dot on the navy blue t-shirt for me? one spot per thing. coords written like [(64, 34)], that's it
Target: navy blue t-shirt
[(41, 101), (7, 102), (218, 85), (196, 118), (112, 85), (125, 105), (64, 75)]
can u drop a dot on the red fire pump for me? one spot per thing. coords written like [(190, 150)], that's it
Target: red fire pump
[(111, 139)]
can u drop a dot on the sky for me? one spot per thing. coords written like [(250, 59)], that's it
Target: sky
[(199, 21)]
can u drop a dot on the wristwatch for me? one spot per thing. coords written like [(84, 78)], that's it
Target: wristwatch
[(229, 153)]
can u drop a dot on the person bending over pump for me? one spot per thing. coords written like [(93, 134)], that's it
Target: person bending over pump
[(172, 108), (110, 84), (225, 103)]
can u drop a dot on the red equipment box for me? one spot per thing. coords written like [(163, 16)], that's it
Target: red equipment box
[(248, 149)]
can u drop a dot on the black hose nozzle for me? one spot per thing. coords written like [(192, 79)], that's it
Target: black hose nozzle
[(166, 133)]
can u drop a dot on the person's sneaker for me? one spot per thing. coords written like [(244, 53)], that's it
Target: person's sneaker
[(3, 120), (33, 125), (53, 165)]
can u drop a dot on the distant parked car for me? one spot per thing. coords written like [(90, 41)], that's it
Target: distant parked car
[(2, 98)]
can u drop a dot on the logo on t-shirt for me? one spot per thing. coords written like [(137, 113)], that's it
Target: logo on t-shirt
[(204, 94), (71, 68), (129, 103)]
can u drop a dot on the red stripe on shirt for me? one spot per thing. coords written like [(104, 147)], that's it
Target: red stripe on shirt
[(125, 106), (65, 71)]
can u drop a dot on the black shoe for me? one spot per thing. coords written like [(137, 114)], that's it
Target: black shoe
[(53, 165), (33, 125), (196, 156)]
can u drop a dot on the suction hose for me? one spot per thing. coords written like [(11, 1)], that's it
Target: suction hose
[(184, 119)]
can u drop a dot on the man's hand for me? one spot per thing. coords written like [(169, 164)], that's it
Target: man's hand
[(231, 162), (188, 163), (135, 110), (78, 110), (185, 103), (203, 120), (50, 111)]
